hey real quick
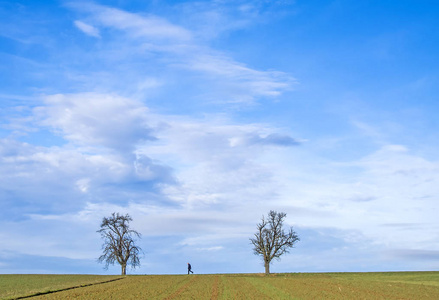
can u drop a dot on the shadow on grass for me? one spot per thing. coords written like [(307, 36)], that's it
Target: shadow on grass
[(65, 289)]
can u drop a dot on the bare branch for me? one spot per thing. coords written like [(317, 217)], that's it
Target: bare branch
[(119, 243), (271, 240)]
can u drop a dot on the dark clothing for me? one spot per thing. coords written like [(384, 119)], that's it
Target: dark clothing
[(189, 267)]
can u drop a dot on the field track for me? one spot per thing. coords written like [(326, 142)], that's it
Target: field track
[(399, 285)]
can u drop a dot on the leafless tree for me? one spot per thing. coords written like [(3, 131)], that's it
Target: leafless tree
[(119, 243), (271, 240)]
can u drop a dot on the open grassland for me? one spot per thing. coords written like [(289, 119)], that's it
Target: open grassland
[(398, 285)]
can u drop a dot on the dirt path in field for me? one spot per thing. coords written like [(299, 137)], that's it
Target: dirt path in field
[(215, 289), (181, 289), (66, 289)]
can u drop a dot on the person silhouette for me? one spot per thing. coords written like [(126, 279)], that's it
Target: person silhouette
[(189, 269)]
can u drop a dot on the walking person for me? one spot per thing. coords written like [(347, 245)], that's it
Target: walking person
[(189, 269)]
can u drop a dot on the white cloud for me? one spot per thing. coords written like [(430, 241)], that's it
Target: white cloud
[(34, 170), (391, 185), (214, 248), (244, 83), (97, 120), (210, 172), (175, 47), (87, 29), (83, 184), (218, 163), (111, 142), (136, 25), (210, 19)]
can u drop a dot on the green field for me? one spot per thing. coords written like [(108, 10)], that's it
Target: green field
[(391, 285), (14, 286)]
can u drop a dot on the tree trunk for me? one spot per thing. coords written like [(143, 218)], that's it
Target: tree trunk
[(124, 269), (267, 268)]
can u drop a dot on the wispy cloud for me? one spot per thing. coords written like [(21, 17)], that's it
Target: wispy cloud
[(87, 29), (135, 25), (245, 83), (231, 80), (210, 19)]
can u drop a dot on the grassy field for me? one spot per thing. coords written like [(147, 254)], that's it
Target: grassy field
[(15, 286), (398, 285)]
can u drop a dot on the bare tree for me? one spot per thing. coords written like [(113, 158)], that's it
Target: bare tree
[(271, 241), (119, 243)]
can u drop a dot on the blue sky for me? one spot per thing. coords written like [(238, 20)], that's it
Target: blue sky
[(198, 117)]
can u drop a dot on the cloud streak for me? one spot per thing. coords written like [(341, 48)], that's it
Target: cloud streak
[(87, 29), (235, 81)]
